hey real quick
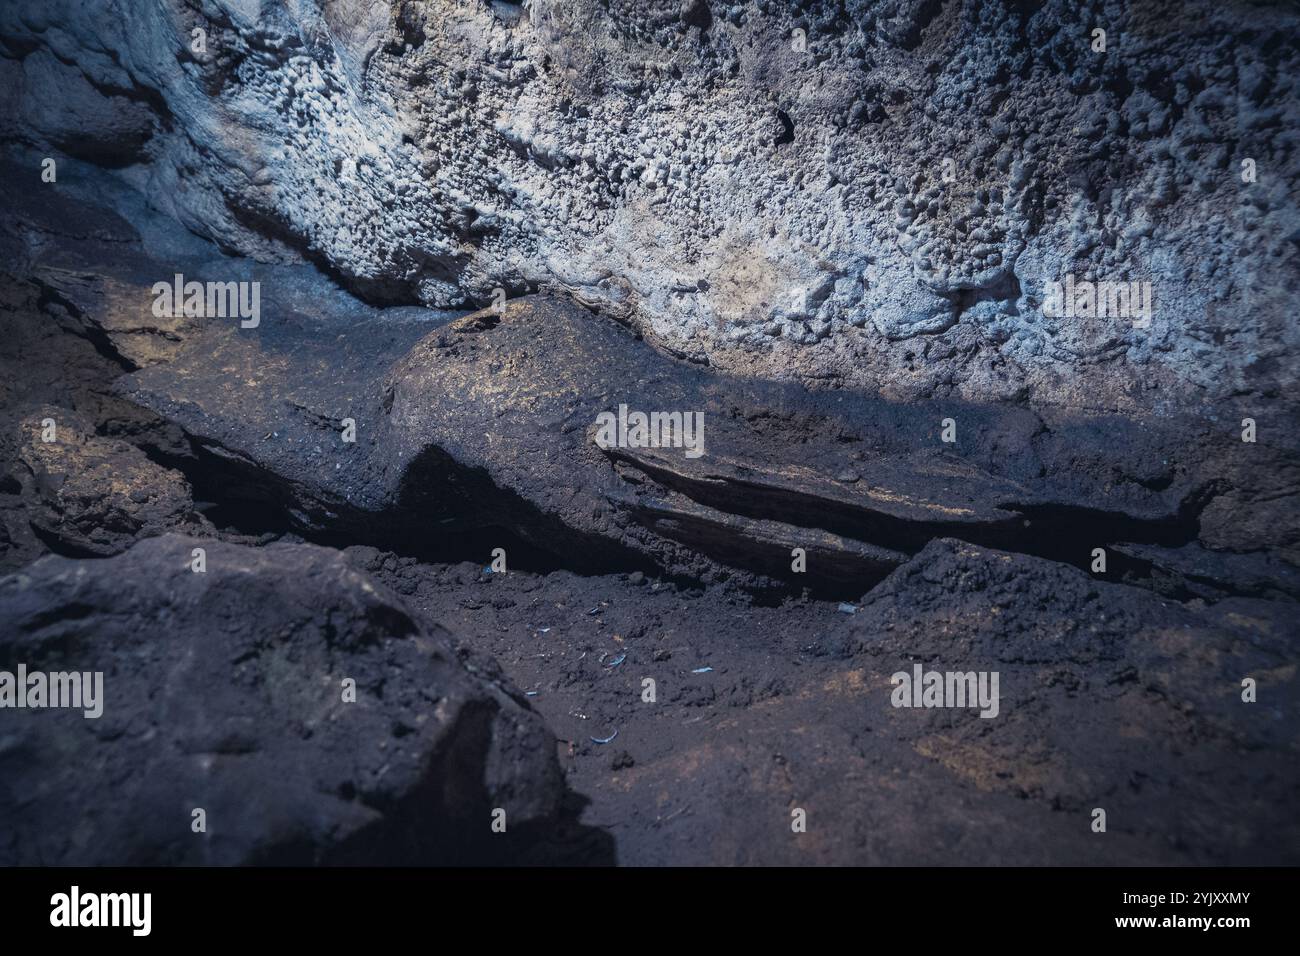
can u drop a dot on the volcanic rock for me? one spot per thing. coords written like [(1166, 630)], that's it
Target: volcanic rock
[(868, 194), (487, 424), (90, 495), (226, 691), (1110, 697)]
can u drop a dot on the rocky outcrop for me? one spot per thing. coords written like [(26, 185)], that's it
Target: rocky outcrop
[(475, 429), (782, 219), (480, 432), (290, 698), (872, 194)]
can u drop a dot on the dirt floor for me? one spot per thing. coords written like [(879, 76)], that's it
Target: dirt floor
[(762, 710)]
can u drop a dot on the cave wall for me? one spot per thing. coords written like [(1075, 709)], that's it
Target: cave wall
[(863, 194)]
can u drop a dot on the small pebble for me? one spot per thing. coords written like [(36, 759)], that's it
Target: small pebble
[(622, 760)]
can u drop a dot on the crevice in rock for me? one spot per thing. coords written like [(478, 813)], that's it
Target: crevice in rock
[(91, 331), (1057, 532), (379, 293), (438, 519), (1005, 291), (1030, 529), (433, 520), (787, 129), (60, 546)]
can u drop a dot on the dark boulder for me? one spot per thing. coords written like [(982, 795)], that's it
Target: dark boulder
[(90, 495), (225, 691), (1110, 697)]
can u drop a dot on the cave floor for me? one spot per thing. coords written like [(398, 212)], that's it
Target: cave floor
[(794, 711)]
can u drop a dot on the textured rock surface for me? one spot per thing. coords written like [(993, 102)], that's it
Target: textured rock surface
[(881, 205), (1152, 691), (474, 427), (93, 495), (720, 196), (70, 327), (223, 691)]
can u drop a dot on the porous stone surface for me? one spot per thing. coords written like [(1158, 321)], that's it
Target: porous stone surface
[(872, 194), (224, 691)]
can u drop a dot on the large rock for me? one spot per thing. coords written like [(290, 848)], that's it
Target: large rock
[(484, 431), (873, 193), (88, 495), (224, 691), (1109, 698), (70, 291)]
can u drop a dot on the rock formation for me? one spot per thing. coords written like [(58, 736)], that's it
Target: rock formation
[(504, 357), (226, 691), (865, 194)]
